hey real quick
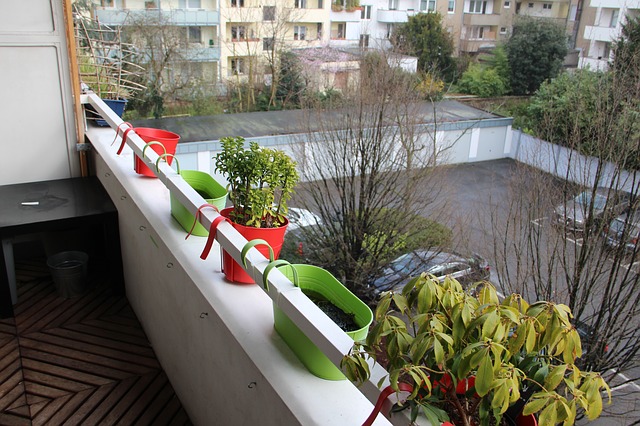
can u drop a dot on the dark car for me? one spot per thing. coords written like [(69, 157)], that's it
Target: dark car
[(624, 231), (438, 263), (607, 203)]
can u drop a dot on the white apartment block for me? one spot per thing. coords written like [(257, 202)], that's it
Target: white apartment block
[(606, 24)]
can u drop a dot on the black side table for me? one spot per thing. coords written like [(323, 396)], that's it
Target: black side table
[(53, 206)]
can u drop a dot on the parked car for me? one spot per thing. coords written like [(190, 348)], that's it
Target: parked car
[(438, 263), (624, 231), (607, 203), (301, 217)]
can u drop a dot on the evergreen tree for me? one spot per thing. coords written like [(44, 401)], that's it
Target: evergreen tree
[(536, 51), (423, 36)]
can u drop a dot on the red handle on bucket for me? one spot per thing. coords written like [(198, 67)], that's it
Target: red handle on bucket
[(404, 387), (118, 130), (124, 139), (198, 212)]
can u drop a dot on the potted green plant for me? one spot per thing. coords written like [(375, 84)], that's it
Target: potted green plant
[(260, 182), (107, 65), (467, 357)]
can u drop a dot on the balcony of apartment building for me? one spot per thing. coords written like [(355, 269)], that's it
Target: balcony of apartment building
[(308, 11), (606, 27), (181, 16), (481, 19), (616, 4), (344, 11), (475, 38), (214, 339), (398, 11)]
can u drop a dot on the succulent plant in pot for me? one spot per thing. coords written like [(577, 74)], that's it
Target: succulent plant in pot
[(260, 182), (469, 357)]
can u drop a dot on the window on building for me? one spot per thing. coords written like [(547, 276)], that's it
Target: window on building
[(341, 30), (301, 4), (299, 32), (547, 6), (192, 4), (237, 66), (477, 33), (237, 3), (194, 34), (530, 5), (614, 18), (107, 3), (432, 5), (364, 40), (451, 7), (269, 13), (389, 31), (268, 43), (507, 4), (393, 4), (238, 32), (477, 6), (503, 30), (365, 13)]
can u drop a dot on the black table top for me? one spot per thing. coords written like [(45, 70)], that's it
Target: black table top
[(28, 204)]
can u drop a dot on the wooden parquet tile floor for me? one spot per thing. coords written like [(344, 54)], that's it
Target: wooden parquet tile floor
[(79, 361)]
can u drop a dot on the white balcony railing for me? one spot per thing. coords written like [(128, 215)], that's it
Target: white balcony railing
[(214, 339)]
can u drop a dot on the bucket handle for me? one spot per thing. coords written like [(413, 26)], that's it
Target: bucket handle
[(118, 130), (386, 392), (212, 233), (251, 244), (276, 264), (153, 143), (164, 157), (198, 212), (124, 139)]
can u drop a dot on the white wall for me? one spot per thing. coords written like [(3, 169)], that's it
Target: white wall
[(38, 130)]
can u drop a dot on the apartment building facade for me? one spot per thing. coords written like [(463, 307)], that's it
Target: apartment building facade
[(236, 39), (602, 27), (197, 21)]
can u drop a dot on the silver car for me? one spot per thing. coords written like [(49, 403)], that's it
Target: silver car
[(607, 203), (624, 231)]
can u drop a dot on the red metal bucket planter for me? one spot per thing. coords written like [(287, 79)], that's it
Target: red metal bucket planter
[(169, 141), (273, 236)]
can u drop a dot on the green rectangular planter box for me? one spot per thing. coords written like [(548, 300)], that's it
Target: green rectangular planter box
[(213, 193), (319, 281)]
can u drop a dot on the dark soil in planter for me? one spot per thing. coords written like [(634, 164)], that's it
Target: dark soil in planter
[(344, 320), (204, 194)]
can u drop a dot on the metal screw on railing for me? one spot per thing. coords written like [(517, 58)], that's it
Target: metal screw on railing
[(169, 265), (204, 314), (142, 227)]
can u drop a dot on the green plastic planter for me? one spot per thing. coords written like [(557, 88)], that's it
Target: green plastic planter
[(213, 193), (317, 280)]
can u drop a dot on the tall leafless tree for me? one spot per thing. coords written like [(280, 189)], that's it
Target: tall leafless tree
[(370, 173), (538, 256)]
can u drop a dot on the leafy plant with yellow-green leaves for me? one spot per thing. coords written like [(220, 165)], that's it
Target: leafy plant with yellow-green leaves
[(507, 354)]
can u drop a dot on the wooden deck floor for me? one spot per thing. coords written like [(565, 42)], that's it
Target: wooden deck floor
[(76, 361)]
